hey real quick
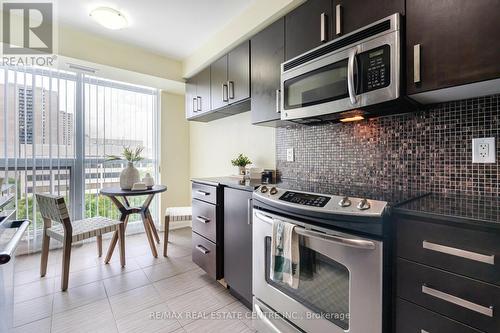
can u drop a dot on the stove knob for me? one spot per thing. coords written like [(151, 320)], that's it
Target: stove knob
[(363, 204), (273, 191), (263, 189), (345, 202)]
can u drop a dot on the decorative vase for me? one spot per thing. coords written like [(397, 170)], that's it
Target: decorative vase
[(148, 180), (241, 170), (129, 176)]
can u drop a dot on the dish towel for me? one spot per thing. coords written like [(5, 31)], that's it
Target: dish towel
[(285, 257)]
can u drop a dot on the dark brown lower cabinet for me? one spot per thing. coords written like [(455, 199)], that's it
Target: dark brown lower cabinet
[(238, 243)]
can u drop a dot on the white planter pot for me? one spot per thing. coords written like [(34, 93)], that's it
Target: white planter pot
[(129, 176)]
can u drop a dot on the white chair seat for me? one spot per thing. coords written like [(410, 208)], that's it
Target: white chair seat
[(179, 213), (84, 229)]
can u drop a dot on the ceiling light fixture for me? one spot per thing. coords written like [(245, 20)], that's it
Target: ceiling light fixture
[(109, 18), (355, 118)]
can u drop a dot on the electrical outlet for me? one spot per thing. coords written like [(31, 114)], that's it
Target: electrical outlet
[(483, 150), (289, 155)]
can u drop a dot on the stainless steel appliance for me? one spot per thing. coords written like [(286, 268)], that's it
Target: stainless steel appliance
[(11, 233), (358, 70), (343, 249)]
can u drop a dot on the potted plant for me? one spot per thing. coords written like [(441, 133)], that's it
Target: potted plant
[(130, 175), (241, 162)]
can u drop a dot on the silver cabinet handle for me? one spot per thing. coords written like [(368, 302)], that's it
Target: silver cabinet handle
[(224, 93), (278, 108), (487, 311), (338, 19), (416, 63), (350, 76), (230, 85), (487, 259), (202, 192), (202, 219), (202, 249), (7, 253), (339, 240), (323, 27), (249, 211), (198, 103), (265, 320), (195, 107)]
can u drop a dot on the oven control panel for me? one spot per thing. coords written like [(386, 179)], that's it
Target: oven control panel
[(323, 203), (305, 199)]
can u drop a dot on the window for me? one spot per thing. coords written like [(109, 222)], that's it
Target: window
[(58, 127)]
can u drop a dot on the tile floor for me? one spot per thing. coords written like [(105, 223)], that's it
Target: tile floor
[(148, 295)]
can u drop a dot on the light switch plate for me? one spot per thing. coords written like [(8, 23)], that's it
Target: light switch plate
[(289, 155), (483, 150)]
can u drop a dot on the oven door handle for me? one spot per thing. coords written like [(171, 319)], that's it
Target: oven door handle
[(350, 76), (265, 320), (339, 240)]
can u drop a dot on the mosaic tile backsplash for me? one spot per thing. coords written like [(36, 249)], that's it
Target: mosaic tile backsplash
[(429, 150)]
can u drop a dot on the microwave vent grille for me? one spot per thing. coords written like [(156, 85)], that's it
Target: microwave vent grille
[(335, 45)]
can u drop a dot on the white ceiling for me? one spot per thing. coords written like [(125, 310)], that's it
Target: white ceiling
[(173, 28)]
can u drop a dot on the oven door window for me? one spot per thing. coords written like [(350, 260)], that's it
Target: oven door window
[(322, 85), (323, 284)]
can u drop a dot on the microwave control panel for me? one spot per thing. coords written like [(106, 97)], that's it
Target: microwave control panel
[(375, 67)]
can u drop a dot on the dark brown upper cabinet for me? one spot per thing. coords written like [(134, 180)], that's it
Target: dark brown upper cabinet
[(308, 26), (230, 81), (267, 54), (450, 43), (354, 14), (198, 94)]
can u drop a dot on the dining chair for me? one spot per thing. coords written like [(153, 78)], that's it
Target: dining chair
[(53, 209)]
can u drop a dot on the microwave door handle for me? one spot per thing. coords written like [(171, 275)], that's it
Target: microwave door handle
[(350, 76)]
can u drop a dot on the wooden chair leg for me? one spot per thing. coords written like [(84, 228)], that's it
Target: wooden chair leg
[(65, 263), (99, 245), (121, 237), (45, 253), (165, 234)]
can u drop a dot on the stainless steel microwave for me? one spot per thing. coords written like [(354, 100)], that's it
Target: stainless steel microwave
[(345, 76)]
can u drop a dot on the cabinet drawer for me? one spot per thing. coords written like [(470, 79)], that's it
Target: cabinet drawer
[(204, 254), (204, 192), (411, 318), (472, 253), (204, 219), (469, 301)]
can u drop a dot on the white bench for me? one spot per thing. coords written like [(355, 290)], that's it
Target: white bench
[(180, 218)]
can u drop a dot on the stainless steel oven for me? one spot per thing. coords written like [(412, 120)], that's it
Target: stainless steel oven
[(340, 286), (349, 73)]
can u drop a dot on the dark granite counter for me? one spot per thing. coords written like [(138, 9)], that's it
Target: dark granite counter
[(472, 210), (233, 182)]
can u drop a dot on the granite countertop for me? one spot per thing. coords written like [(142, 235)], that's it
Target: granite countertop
[(473, 210), (233, 182)]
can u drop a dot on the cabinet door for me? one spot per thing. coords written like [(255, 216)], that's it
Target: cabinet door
[(218, 83), (267, 54), (238, 73), (303, 27), (203, 90), (238, 242), (458, 40), (191, 106), (355, 14)]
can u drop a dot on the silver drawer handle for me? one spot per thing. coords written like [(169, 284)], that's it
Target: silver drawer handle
[(202, 192), (202, 249), (202, 219), (487, 259), (487, 311)]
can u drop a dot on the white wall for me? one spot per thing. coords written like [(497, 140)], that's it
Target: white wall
[(214, 144)]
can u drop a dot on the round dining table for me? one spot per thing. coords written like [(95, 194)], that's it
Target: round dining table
[(120, 199)]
